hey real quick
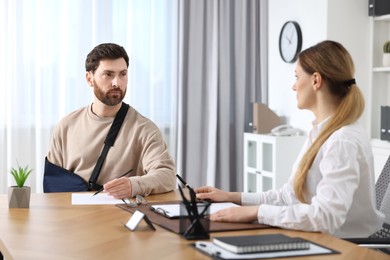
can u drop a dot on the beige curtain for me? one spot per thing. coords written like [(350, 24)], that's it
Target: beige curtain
[(222, 71)]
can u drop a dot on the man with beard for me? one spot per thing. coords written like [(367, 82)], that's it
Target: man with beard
[(139, 162)]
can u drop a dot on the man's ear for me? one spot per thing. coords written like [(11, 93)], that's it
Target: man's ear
[(89, 78)]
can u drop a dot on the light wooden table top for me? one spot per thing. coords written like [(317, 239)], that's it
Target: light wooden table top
[(53, 228)]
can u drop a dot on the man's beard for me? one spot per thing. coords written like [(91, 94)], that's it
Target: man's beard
[(109, 98)]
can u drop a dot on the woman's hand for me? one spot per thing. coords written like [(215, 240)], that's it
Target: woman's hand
[(236, 214), (233, 214), (217, 195)]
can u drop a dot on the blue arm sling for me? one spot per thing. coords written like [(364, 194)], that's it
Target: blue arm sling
[(58, 179)]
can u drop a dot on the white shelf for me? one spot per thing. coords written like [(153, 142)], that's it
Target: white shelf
[(379, 89), (380, 144), (381, 69), (382, 18)]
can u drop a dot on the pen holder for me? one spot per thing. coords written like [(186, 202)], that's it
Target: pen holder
[(193, 221)]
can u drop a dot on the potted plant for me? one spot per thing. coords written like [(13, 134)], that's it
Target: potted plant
[(19, 195), (386, 54)]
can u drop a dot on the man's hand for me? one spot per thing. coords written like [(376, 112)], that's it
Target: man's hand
[(119, 188)]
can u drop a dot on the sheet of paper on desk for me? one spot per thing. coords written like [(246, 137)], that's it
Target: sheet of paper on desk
[(173, 210), (89, 199)]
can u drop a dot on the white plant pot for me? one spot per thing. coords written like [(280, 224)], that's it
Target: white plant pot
[(19, 197), (386, 59)]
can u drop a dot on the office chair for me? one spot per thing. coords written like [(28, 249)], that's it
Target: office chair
[(381, 239)]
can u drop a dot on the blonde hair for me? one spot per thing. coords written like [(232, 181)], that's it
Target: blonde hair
[(335, 64)]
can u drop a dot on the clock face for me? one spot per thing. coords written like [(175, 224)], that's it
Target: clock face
[(290, 41)]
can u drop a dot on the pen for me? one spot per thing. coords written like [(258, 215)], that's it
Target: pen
[(192, 192), (118, 177), (208, 248), (183, 181)]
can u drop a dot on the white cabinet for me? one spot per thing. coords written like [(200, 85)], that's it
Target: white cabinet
[(379, 89), (268, 160)]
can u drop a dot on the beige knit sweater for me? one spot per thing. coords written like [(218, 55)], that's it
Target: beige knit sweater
[(79, 137)]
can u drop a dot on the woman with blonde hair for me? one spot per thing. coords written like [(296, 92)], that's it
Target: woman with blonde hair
[(331, 188)]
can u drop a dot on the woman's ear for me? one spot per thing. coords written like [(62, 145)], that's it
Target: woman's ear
[(316, 80)]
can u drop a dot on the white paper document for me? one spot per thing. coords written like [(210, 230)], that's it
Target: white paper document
[(90, 199), (173, 210)]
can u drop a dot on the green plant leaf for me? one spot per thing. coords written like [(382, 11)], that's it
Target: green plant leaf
[(20, 175), (386, 47)]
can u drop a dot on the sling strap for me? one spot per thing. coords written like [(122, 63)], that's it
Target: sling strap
[(108, 142)]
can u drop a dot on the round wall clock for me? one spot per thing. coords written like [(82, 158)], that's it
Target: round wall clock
[(290, 41)]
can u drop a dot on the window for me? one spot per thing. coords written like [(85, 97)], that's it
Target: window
[(43, 49)]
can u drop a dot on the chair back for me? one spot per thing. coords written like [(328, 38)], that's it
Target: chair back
[(382, 190), (382, 184)]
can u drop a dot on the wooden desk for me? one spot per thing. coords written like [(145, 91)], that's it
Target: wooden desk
[(54, 229)]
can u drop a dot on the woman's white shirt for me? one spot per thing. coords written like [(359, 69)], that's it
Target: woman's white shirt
[(340, 189)]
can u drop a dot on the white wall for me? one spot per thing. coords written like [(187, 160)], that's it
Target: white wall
[(344, 21), (349, 23)]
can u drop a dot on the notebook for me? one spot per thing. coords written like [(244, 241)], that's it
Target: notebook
[(261, 243), (217, 252)]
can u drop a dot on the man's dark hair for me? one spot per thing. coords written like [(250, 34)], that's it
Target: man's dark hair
[(104, 51)]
